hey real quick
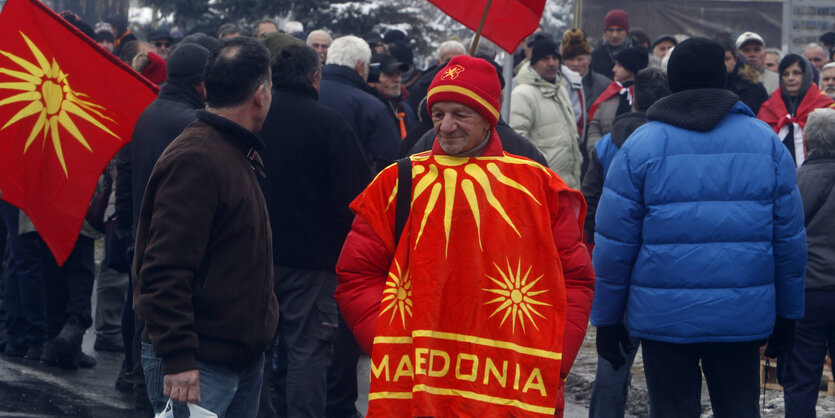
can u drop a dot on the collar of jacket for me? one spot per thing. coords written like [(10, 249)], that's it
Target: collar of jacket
[(184, 93), (527, 75), (346, 75), (697, 110), (240, 134), (248, 142)]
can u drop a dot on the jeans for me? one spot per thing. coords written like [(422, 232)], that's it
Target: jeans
[(24, 284), (800, 370), (226, 391), (608, 395), (674, 378)]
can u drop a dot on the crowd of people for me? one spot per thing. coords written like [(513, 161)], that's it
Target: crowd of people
[(274, 217)]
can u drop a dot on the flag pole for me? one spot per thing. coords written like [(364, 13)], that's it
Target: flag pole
[(480, 27)]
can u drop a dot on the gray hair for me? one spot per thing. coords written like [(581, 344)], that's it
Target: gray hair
[(348, 51), (813, 45), (315, 33), (449, 46), (776, 52), (484, 48), (828, 66), (820, 132)]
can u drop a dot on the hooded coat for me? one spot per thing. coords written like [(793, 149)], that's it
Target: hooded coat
[(541, 111), (698, 238), (787, 115)]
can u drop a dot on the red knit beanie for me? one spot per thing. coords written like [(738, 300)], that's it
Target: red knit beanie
[(470, 81), (616, 17), (155, 71)]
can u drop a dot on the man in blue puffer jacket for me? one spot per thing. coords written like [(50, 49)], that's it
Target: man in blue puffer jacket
[(700, 244)]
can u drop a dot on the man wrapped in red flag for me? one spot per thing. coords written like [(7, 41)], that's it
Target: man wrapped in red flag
[(480, 306), (66, 107)]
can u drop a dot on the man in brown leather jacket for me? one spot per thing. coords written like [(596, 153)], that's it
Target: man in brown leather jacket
[(203, 265)]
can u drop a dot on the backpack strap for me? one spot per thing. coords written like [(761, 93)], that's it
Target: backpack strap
[(404, 197)]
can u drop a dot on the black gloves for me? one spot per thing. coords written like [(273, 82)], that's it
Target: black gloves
[(612, 341), (781, 339)]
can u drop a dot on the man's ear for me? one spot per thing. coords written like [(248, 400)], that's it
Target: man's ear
[(361, 70), (260, 95)]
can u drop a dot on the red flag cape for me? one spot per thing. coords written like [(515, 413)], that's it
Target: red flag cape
[(66, 107), (508, 23), (473, 314), (775, 114), (613, 89)]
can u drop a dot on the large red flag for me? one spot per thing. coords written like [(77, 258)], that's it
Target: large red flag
[(508, 22), (66, 107)]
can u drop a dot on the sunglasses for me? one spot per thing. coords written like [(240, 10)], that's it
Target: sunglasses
[(160, 44)]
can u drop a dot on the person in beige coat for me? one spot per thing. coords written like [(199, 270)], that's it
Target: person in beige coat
[(540, 110)]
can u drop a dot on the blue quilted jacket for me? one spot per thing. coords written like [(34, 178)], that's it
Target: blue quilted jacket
[(700, 233)]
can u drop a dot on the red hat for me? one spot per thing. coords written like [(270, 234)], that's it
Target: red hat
[(155, 71), (470, 81), (616, 17)]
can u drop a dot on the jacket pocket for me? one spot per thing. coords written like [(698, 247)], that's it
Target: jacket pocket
[(327, 320)]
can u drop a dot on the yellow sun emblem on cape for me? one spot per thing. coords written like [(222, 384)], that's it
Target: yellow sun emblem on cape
[(51, 100), (398, 294), (441, 177), (516, 297)]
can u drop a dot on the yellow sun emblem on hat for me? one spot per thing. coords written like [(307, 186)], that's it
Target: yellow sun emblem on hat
[(516, 296), (398, 294), (51, 99)]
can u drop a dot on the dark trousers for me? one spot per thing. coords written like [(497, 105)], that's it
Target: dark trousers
[(674, 378), (69, 288), (307, 328), (342, 375), (23, 285), (800, 370)]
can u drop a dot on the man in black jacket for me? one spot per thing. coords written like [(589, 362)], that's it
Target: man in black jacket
[(345, 90), (314, 168), (165, 118), (615, 39)]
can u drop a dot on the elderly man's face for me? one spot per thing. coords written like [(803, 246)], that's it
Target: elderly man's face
[(753, 52), (458, 127), (660, 50), (816, 56), (579, 64), (772, 62), (320, 44), (389, 84), (828, 82), (615, 35)]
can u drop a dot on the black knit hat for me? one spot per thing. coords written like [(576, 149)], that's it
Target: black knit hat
[(543, 48), (186, 63), (633, 59), (697, 63)]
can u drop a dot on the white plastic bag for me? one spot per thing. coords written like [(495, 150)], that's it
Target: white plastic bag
[(194, 411)]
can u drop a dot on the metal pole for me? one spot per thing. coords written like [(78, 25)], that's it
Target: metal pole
[(787, 25), (508, 86)]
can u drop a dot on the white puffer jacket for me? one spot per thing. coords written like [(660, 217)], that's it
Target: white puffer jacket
[(541, 111)]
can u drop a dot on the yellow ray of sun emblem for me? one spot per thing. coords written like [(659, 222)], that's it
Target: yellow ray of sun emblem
[(448, 180), (397, 297), (51, 101), (516, 297)]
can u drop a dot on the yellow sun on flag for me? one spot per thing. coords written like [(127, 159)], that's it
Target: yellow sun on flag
[(516, 297), (51, 100), (398, 294), (441, 177)]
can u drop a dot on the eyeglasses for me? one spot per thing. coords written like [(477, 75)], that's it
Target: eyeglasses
[(160, 44)]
